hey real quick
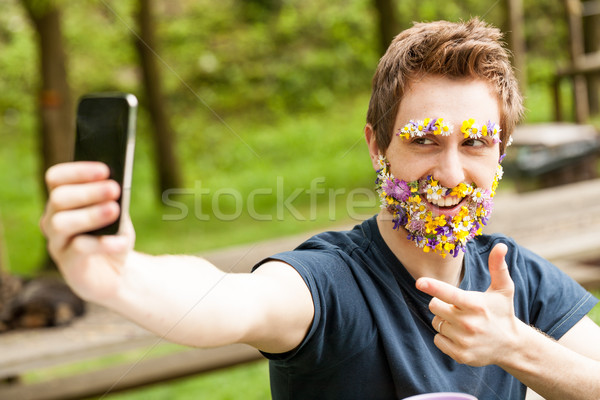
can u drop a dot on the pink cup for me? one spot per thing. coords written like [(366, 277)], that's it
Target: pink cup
[(442, 396)]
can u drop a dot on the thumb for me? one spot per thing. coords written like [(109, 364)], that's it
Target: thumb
[(500, 277)]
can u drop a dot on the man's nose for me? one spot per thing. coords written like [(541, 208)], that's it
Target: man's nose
[(450, 170)]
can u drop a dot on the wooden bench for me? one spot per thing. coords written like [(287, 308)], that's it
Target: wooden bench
[(550, 154), (561, 223)]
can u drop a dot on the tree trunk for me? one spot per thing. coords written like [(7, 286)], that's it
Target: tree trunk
[(164, 138), (516, 40), (55, 109), (388, 22), (56, 119)]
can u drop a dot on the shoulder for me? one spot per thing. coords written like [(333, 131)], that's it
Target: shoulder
[(328, 248), (545, 296), (517, 257)]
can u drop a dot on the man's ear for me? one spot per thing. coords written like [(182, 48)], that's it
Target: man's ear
[(372, 144)]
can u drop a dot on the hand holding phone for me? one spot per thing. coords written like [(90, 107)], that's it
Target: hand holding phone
[(105, 132)]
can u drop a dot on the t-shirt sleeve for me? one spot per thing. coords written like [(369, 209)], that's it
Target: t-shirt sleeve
[(303, 265), (338, 310), (556, 301)]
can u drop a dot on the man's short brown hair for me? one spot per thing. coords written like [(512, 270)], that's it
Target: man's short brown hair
[(470, 49)]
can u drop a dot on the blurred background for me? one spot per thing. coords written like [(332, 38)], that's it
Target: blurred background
[(237, 95)]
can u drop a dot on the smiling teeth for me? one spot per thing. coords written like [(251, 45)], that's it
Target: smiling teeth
[(449, 201)]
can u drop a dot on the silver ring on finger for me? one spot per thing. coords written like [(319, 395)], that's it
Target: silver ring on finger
[(439, 328)]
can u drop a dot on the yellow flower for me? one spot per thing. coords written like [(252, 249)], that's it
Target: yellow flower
[(466, 126), (461, 235)]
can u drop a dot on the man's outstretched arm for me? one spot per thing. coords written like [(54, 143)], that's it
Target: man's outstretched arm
[(184, 299)]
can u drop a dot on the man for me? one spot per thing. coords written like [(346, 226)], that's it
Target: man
[(351, 314)]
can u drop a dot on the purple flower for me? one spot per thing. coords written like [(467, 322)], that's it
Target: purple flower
[(488, 204), (431, 126), (398, 189), (490, 129), (416, 225), (443, 230)]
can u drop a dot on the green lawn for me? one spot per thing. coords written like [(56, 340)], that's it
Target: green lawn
[(247, 382)]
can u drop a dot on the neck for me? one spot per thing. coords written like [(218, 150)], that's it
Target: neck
[(415, 260)]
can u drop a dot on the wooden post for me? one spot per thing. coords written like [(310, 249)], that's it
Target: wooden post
[(558, 117), (574, 15), (591, 36)]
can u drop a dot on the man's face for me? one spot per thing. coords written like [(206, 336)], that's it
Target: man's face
[(451, 159), (443, 162)]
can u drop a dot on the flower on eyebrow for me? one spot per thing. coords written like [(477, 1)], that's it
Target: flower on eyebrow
[(493, 130), (434, 126), (473, 130)]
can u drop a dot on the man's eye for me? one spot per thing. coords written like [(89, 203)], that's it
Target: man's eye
[(422, 140), (474, 143)]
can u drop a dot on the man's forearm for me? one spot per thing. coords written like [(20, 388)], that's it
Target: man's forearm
[(184, 299), (551, 369)]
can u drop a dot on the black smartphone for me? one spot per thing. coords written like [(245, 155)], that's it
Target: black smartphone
[(105, 131)]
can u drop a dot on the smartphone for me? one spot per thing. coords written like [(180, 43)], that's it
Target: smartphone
[(105, 131)]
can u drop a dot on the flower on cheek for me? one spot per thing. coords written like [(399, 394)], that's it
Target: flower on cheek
[(397, 189)]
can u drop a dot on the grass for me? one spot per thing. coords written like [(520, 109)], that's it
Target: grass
[(248, 382)]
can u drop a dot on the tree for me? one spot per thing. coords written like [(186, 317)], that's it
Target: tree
[(55, 110), (388, 22), (516, 40), (164, 138)]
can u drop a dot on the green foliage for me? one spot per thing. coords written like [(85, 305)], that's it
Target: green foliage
[(266, 66), (239, 89)]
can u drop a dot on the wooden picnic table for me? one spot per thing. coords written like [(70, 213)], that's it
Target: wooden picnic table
[(560, 223)]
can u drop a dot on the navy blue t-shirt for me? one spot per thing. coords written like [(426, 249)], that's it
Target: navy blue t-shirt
[(371, 336)]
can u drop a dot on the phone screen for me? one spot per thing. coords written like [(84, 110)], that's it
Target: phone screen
[(105, 131)]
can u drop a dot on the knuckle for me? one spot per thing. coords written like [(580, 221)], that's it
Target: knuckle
[(79, 245), (49, 175), (466, 358), (54, 199), (56, 225), (53, 250), (433, 304), (42, 224), (462, 342)]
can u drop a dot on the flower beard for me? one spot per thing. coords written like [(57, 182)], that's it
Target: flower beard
[(407, 203)]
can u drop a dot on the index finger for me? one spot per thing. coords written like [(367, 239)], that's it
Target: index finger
[(76, 172), (441, 290)]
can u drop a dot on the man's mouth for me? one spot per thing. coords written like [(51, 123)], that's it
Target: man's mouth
[(447, 205)]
